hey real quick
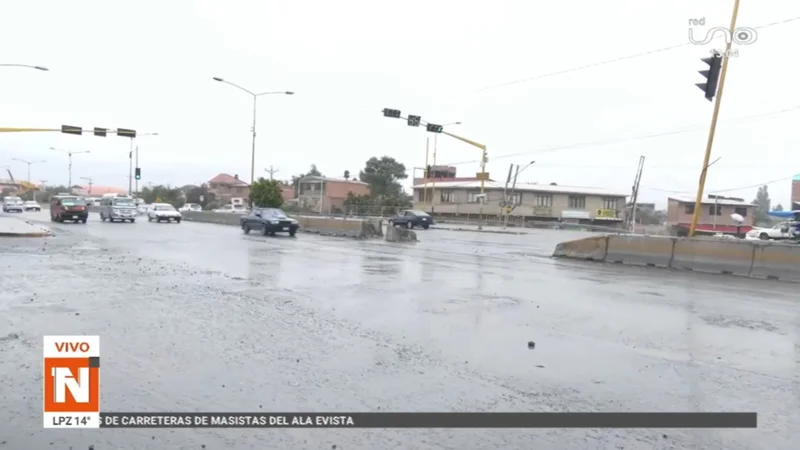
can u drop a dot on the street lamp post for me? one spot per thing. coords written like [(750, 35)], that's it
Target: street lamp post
[(43, 69), (89, 179), (253, 149), (130, 164), (70, 153), (433, 180), (29, 163)]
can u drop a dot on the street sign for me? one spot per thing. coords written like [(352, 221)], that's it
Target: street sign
[(607, 213), (482, 176)]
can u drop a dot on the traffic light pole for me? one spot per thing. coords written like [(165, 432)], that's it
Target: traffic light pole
[(698, 204), (130, 170), (426, 174), (433, 180), (136, 181)]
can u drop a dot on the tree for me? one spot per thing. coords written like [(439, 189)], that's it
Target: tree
[(200, 195), (162, 194), (779, 207), (762, 203), (313, 172), (383, 177), (267, 193)]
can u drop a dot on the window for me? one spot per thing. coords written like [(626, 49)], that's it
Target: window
[(544, 200), (741, 210), (577, 202), (421, 195), (473, 197), (689, 209), (447, 196), (610, 203), (515, 199), (715, 210)]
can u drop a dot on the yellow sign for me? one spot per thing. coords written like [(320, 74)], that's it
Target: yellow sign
[(482, 176), (606, 213)]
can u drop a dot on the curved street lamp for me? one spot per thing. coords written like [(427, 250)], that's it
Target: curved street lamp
[(43, 69)]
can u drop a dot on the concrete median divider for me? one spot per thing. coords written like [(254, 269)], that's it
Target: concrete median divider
[(753, 259), (734, 256), (776, 261), (326, 226), (591, 248), (640, 250)]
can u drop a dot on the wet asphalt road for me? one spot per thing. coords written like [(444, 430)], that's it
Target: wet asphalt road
[(198, 317)]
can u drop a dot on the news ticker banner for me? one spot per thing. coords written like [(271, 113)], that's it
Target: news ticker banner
[(406, 420), (72, 400)]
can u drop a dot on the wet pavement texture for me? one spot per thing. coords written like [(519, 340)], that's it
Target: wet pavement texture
[(199, 317)]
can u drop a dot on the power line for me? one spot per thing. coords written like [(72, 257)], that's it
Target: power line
[(609, 61), (628, 139), (740, 188)]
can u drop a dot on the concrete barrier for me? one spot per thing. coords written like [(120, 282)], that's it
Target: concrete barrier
[(734, 256), (754, 259), (776, 261), (396, 234), (327, 226), (640, 250), (592, 248)]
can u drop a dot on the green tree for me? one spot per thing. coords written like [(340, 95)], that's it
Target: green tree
[(763, 204), (383, 176), (313, 172), (778, 207), (200, 195), (267, 193), (162, 194)]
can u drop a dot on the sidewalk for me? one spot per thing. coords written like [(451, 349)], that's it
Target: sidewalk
[(11, 226)]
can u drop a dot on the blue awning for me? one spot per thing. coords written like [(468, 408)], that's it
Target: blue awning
[(784, 214)]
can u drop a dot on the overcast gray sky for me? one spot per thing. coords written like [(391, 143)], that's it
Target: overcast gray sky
[(148, 66)]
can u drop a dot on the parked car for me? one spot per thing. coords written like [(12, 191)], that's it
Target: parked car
[(32, 206), (234, 209), (783, 230), (412, 218), (269, 221), (190, 207), (118, 208), (163, 212), (13, 204), (68, 207)]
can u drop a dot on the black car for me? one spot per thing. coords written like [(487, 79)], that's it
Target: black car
[(269, 221), (411, 219)]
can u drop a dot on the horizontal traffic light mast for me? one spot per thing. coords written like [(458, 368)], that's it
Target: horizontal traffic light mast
[(413, 121), (97, 131)]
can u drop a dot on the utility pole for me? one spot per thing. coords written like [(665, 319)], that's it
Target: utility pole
[(69, 154), (425, 183), (433, 180), (504, 202), (130, 170), (271, 171), (42, 183), (698, 204), (635, 196), (90, 183)]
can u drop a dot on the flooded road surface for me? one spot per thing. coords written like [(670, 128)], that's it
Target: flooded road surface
[(199, 317)]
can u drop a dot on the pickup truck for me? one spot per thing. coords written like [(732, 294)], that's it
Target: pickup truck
[(783, 230)]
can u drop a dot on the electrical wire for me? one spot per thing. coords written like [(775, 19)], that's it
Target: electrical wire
[(627, 139), (740, 188), (606, 62)]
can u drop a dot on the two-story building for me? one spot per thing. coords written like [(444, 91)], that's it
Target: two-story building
[(540, 202), (327, 194), (225, 187), (715, 216)]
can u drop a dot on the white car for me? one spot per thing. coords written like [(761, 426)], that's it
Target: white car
[(32, 206), (232, 209), (783, 230), (163, 212), (190, 207)]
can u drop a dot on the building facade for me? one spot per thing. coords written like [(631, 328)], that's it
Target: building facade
[(715, 216), (796, 193), (326, 194), (532, 202), (225, 187)]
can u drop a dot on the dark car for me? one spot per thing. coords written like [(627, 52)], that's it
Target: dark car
[(411, 219), (269, 221), (68, 208)]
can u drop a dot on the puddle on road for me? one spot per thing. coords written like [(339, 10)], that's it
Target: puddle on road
[(737, 322), (381, 265)]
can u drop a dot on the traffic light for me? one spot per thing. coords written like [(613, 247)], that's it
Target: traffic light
[(346, 174), (393, 113), (712, 75), (138, 175), (100, 132), (433, 128), (69, 129), (126, 133), (413, 121)]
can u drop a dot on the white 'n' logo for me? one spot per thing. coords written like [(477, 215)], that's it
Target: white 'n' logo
[(78, 387)]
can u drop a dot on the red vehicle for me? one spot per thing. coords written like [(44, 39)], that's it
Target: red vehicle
[(68, 208)]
